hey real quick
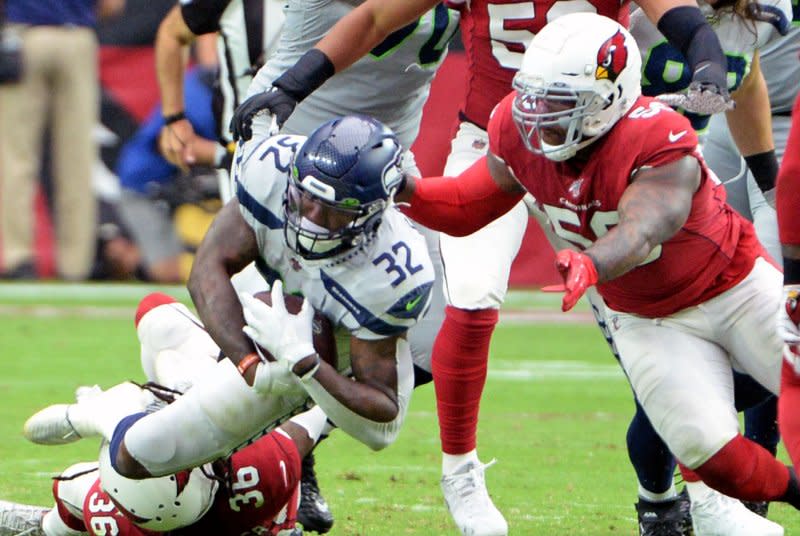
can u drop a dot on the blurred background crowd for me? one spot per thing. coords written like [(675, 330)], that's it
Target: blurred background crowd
[(84, 191)]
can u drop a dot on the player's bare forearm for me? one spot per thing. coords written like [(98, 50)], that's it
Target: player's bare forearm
[(750, 122), (355, 34), (172, 41), (229, 246), (652, 209)]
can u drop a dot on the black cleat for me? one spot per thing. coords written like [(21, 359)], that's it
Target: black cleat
[(668, 518), (313, 512)]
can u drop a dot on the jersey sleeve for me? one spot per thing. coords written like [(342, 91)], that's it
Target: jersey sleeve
[(664, 136), (202, 16), (777, 23)]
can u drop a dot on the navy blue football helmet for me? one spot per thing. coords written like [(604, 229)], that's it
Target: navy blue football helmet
[(342, 180)]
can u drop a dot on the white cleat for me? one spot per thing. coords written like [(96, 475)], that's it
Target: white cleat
[(469, 503), (715, 514), (21, 519), (60, 424), (51, 426)]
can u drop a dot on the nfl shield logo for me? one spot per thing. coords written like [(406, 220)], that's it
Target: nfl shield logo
[(575, 188)]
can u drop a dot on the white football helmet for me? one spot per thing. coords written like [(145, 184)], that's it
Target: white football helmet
[(162, 503), (579, 76)]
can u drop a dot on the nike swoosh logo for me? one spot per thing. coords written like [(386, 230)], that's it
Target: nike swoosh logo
[(413, 303), (673, 137)]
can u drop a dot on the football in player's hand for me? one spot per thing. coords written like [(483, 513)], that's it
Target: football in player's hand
[(324, 338)]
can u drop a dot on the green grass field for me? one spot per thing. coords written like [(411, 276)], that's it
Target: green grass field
[(554, 414)]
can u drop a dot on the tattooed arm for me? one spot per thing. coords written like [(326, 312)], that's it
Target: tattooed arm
[(652, 209), (228, 246)]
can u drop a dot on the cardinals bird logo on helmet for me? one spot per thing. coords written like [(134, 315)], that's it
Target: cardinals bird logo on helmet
[(611, 58)]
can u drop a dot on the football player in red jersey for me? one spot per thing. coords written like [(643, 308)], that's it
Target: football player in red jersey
[(255, 491), (686, 286), (788, 201), (494, 33)]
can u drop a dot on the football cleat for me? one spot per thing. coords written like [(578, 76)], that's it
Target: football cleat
[(759, 507), (21, 519), (715, 514), (313, 512), (468, 501), (51, 426), (665, 518), (59, 424)]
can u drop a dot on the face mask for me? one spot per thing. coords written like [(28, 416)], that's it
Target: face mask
[(314, 240)]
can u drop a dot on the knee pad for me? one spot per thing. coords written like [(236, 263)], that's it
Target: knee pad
[(72, 485)]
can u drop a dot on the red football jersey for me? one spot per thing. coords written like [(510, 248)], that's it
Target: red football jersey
[(264, 479), (495, 34), (789, 184), (715, 248)]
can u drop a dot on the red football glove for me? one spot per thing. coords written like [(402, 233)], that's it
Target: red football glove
[(579, 274)]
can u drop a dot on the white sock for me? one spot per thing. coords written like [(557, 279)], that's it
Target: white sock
[(100, 414), (451, 462), (648, 495), (699, 491)]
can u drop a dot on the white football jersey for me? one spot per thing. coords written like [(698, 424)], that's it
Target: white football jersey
[(664, 69), (391, 83), (376, 291)]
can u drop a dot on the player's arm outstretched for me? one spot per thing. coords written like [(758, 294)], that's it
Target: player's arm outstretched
[(481, 194)]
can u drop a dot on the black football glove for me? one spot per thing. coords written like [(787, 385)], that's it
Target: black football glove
[(275, 101), (298, 82)]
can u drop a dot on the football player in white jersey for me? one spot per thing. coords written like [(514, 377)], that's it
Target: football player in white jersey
[(248, 32), (317, 213)]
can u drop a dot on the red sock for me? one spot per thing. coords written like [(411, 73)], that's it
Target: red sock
[(150, 302), (789, 412), (745, 470), (687, 474), (459, 361)]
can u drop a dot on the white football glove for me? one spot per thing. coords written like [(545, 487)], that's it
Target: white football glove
[(287, 337), (787, 327), (273, 378), (699, 99)]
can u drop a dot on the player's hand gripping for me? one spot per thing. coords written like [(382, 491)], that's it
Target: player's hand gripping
[(579, 274), (288, 337), (707, 94), (275, 101)]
